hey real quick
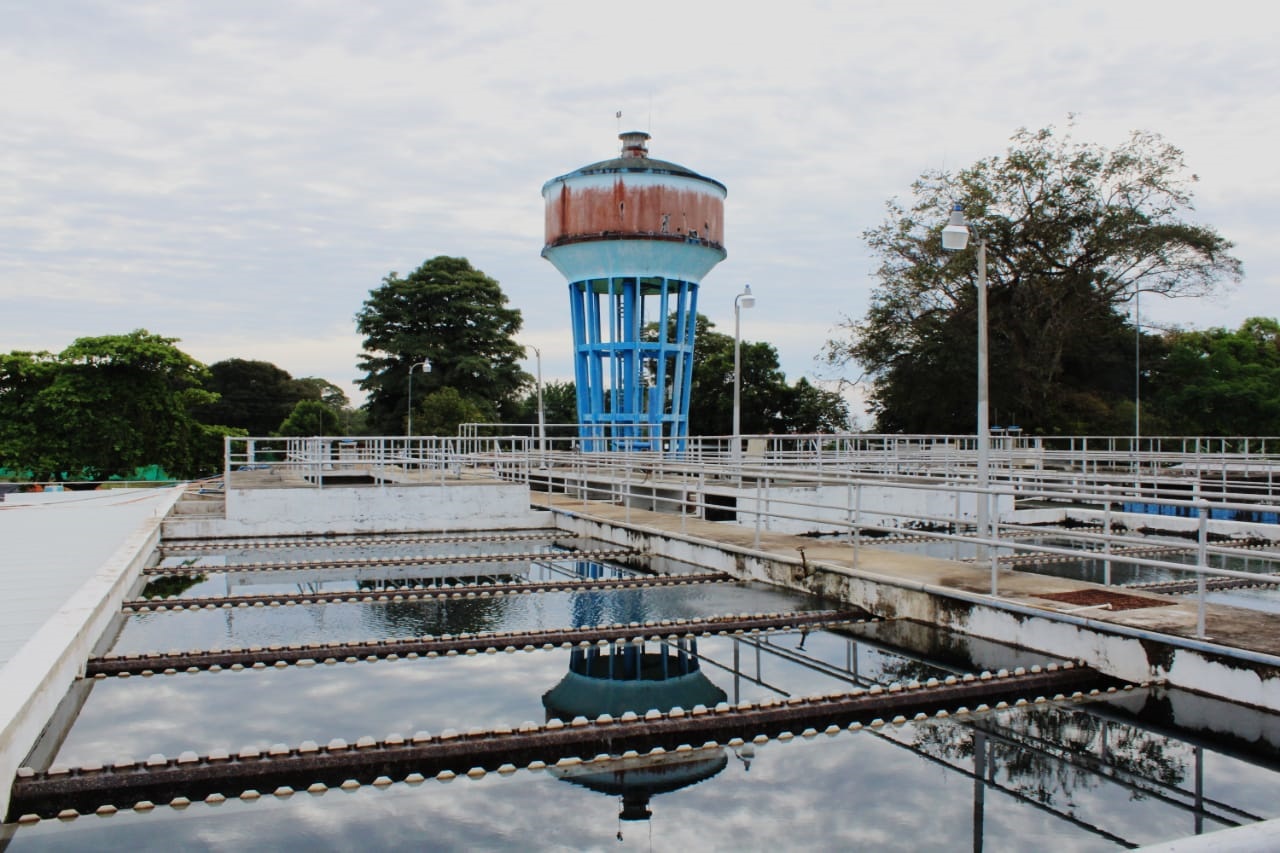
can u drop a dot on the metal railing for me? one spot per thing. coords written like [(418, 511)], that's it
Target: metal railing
[(860, 488), (384, 461)]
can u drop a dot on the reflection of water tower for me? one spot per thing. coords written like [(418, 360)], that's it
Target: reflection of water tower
[(634, 236), (631, 677)]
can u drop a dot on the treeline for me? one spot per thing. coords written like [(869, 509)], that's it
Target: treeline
[(112, 405)]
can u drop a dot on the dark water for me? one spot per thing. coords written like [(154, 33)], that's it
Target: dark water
[(1141, 767)]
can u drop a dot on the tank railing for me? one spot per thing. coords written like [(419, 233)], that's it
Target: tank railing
[(780, 489), (1096, 459), (386, 460), (793, 463)]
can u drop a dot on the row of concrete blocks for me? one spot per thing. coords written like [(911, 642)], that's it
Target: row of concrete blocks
[(416, 592), (133, 662), (823, 616), (554, 724), (340, 542), (413, 778), (420, 560)]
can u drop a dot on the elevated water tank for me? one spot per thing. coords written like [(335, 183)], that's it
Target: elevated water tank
[(634, 237)]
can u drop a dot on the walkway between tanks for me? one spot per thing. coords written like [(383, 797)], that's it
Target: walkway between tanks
[(1232, 627), (55, 542)]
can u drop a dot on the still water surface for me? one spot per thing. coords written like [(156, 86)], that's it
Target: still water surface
[(1139, 768)]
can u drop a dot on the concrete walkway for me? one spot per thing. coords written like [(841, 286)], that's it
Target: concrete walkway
[(1232, 627), (51, 543), (68, 560)]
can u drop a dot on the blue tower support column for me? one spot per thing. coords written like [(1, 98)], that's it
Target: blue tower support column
[(633, 376)]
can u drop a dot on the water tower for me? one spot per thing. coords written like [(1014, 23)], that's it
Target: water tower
[(634, 236)]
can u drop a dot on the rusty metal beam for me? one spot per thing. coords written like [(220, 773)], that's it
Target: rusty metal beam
[(419, 593), (87, 789), (347, 540), (420, 560), (155, 662), (1211, 584)]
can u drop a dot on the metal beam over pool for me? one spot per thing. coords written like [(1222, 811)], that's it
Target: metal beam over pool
[(161, 779), (155, 662)]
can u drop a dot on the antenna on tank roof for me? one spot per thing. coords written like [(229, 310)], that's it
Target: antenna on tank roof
[(618, 115)]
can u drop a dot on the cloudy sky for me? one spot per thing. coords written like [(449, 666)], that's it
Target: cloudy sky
[(239, 175)]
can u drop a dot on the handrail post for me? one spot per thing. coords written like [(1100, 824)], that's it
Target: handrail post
[(1106, 545), (1202, 559)]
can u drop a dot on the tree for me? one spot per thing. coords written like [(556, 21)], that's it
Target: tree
[(106, 406), (254, 395), (559, 406), (350, 421), (1073, 231), (26, 421), (1219, 382), (311, 417), (457, 318), (813, 409), (441, 411), (768, 404), (325, 391)]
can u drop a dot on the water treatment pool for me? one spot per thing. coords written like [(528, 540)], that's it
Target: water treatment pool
[(1121, 769)]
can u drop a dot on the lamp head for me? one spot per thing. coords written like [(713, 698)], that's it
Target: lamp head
[(955, 236), (745, 299)]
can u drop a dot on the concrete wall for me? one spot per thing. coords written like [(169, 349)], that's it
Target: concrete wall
[(37, 678), (828, 509), (450, 506)]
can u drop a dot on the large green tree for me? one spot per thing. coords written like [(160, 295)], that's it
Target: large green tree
[(255, 396), (311, 417), (1218, 382), (106, 406), (26, 418), (455, 317), (1073, 231)]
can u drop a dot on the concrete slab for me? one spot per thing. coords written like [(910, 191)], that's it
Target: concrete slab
[(68, 562), (51, 543)]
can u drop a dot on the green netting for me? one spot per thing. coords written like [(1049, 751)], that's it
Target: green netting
[(149, 473)]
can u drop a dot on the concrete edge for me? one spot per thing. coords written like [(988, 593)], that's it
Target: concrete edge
[(1263, 837), (38, 675)]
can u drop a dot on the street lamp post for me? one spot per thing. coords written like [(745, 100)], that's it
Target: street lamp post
[(425, 367), (542, 417), (955, 236), (742, 300)]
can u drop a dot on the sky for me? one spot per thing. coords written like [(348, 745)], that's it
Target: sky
[(239, 175)]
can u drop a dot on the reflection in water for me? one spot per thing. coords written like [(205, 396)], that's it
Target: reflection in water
[(635, 781), (631, 677)]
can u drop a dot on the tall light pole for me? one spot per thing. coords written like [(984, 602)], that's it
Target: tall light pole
[(425, 366), (955, 236), (1137, 368), (542, 417), (742, 300)]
